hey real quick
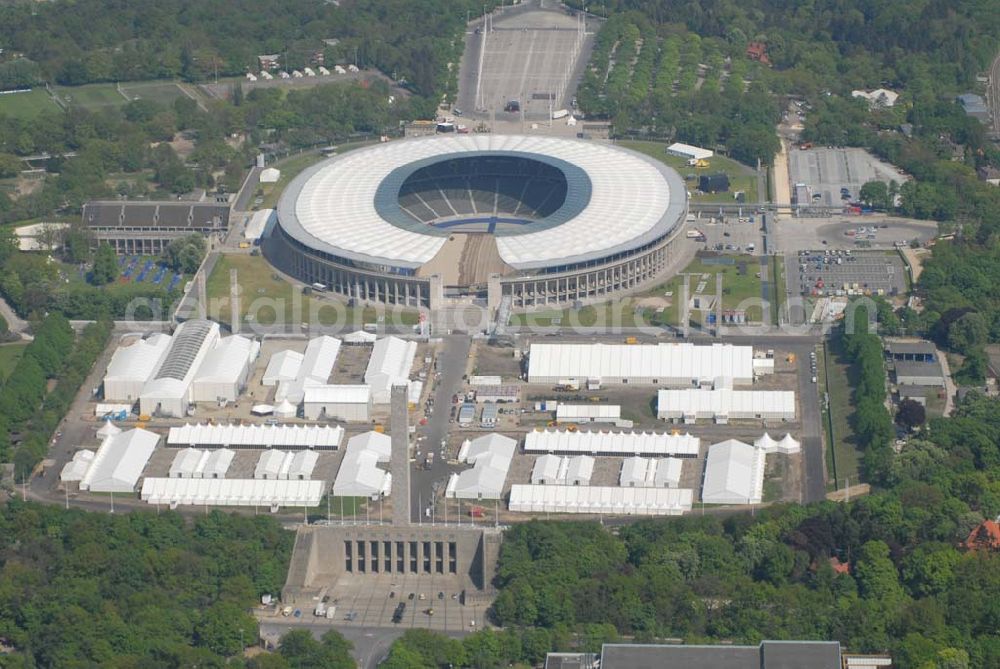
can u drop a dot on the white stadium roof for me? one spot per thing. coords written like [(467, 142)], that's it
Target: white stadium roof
[(257, 436), (600, 499), (231, 492), (663, 363), (611, 443), (332, 206)]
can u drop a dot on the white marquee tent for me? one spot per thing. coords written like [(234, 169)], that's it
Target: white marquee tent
[(317, 363), (119, 461), (662, 364), (611, 443), (223, 374), (323, 437), (725, 404), (283, 366), (556, 470), (639, 472), (490, 457), (358, 475), (389, 365), (734, 474), (186, 463), (600, 500), (231, 492), (75, 469), (216, 464), (132, 365)]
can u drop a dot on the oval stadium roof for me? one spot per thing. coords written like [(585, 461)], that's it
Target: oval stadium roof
[(633, 199)]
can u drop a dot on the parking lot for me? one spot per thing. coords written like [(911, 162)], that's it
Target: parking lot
[(839, 272), (826, 171), (792, 235), (730, 233)]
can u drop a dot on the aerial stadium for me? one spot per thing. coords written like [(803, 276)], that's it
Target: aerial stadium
[(535, 221)]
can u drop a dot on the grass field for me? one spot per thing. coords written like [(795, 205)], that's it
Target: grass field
[(741, 177), (642, 309), (290, 168), (27, 105), (91, 96), (9, 355), (267, 298), (162, 92), (835, 376)]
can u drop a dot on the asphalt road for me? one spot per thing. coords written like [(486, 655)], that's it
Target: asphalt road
[(814, 462), (451, 364)]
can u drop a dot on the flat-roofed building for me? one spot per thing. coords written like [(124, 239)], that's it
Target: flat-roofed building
[(146, 228)]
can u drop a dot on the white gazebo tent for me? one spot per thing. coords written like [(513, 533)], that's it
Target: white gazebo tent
[(285, 409), (766, 443), (789, 445), (108, 429)]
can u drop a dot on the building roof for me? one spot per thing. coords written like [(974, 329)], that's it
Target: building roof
[(231, 492), (656, 361), (257, 436), (986, 536), (734, 474), (390, 364), (725, 402), (878, 97), (283, 366), (338, 394), (918, 368), (600, 499), (188, 347), (137, 360), (227, 361), (973, 104), (595, 411), (611, 443), (767, 655), (119, 461), (911, 348), (347, 206), (695, 152), (165, 214), (358, 475)]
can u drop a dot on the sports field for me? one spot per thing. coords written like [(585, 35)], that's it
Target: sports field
[(162, 92), (27, 105), (91, 96)]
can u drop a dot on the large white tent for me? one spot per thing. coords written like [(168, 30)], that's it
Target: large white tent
[(302, 465), (734, 474), (490, 457), (638, 472), (222, 376), (216, 464), (323, 437), (358, 475), (231, 492), (724, 404), (168, 391), (192, 463), (317, 364), (186, 462), (76, 469), (338, 402), (588, 413), (118, 463), (611, 443), (567, 470), (273, 465), (283, 366), (600, 500), (664, 364), (131, 366), (389, 365)]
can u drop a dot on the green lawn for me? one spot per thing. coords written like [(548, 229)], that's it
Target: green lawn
[(27, 105), (835, 376), (642, 309), (741, 177), (9, 355), (267, 298), (290, 168), (162, 92), (91, 96)]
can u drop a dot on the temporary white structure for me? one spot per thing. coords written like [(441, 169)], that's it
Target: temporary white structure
[(257, 225), (611, 500), (663, 364), (262, 409), (360, 337), (317, 363), (640, 472), (216, 464), (337, 402), (556, 470), (119, 461), (222, 376), (766, 443), (734, 474), (689, 152), (302, 465), (108, 429), (294, 437), (789, 445), (588, 413), (187, 462), (270, 175), (231, 492), (490, 457), (285, 409), (611, 443), (167, 393), (273, 465), (131, 366), (358, 475), (75, 469), (283, 366), (389, 365), (724, 404)]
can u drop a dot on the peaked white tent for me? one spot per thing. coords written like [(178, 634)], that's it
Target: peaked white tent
[(285, 409), (610, 500), (789, 445), (766, 443), (734, 474), (187, 462), (283, 366), (108, 429), (119, 461), (360, 337), (358, 475), (490, 456), (389, 365), (216, 464), (75, 469)]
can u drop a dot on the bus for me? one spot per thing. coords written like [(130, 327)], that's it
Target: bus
[(319, 287)]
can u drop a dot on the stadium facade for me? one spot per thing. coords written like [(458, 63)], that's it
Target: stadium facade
[(540, 220)]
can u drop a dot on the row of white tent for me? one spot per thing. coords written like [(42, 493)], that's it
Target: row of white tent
[(301, 74), (611, 443), (231, 492), (569, 470), (638, 472), (191, 463), (611, 500), (323, 437), (283, 465)]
